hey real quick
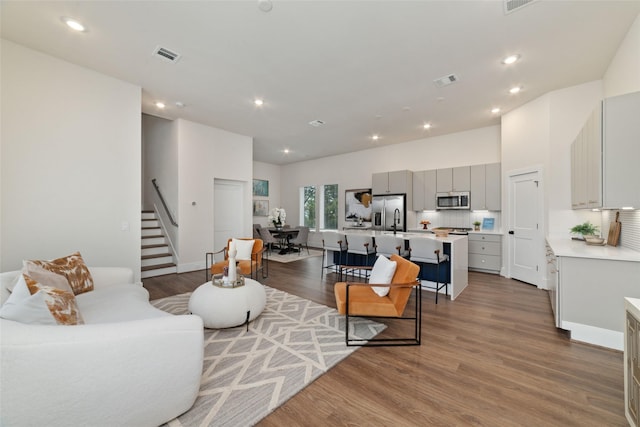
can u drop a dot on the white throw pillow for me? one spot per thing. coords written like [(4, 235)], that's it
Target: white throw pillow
[(244, 249), (382, 272), (23, 307)]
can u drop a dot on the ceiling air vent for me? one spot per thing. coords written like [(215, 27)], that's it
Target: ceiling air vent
[(513, 5), (316, 123), (446, 80), (166, 54)]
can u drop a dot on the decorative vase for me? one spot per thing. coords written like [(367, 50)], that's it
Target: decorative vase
[(476, 227)]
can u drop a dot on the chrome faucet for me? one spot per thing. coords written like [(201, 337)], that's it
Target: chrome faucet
[(396, 220)]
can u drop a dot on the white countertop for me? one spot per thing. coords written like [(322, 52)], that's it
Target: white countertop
[(420, 230), (579, 249), (633, 306), (407, 235)]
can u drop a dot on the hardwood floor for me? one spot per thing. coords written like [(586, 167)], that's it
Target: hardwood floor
[(492, 357)]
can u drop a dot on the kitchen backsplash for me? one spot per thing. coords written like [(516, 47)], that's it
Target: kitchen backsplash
[(456, 218), (629, 230)]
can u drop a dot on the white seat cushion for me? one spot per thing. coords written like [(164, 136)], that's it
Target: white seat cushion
[(117, 303)]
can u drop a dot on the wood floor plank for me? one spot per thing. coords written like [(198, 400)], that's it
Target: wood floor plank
[(492, 357)]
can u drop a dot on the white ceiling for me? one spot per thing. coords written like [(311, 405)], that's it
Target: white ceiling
[(362, 67)]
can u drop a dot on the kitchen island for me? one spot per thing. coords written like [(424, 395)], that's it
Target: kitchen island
[(457, 246)]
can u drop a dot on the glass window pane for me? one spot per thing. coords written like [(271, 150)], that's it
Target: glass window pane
[(330, 207), (308, 203)]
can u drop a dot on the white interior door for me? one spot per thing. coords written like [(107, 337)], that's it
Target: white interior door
[(228, 207), (525, 227)]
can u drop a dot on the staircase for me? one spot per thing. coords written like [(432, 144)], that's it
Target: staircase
[(156, 254)]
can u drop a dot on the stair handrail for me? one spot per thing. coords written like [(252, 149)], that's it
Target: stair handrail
[(173, 222)]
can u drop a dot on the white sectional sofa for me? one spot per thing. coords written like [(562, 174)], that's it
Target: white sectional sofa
[(130, 364)]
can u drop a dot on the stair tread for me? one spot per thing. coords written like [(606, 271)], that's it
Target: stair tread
[(147, 211), (151, 228), (155, 256), (159, 245), (153, 237), (158, 266)]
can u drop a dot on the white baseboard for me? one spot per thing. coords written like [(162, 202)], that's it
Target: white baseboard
[(594, 335), (194, 266)]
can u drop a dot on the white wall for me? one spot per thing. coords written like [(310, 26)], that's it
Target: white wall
[(204, 154), (354, 170), (71, 162), (623, 74), (271, 173)]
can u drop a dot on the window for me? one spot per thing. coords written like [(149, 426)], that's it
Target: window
[(319, 202)]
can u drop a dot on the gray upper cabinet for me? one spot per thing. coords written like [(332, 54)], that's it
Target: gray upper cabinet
[(397, 182), (424, 190), (493, 189), (453, 179), (621, 151), (604, 156), (486, 187)]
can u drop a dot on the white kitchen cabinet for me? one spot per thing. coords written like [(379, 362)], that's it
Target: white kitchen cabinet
[(485, 252), (604, 166), (424, 190), (486, 187), (453, 179)]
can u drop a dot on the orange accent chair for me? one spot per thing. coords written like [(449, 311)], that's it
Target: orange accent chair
[(249, 268), (359, 300)]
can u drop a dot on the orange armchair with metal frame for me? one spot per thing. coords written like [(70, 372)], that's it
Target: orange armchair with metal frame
[(248, 267), (360, 300)]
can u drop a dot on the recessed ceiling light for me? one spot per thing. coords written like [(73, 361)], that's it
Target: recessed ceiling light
[(286, 151), (495, 110), (427, 126), (511, 59), (259, 102), (515, 89), (73, 24), (160, 105), (375, 137)]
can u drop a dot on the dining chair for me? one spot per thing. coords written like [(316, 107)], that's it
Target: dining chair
[(301, 239), (335, 242), (427, 252), (256, 231), (268, 239)]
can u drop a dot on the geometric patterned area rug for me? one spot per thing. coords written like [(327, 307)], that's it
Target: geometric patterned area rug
[(293, 256), (248, 374)]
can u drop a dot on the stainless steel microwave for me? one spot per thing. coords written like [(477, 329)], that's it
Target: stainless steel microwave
[(452, 200)]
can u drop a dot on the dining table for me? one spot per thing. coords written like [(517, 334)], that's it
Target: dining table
[(285, 235)]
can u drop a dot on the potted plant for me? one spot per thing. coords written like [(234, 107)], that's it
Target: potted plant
[(586, 229), (476, 225)]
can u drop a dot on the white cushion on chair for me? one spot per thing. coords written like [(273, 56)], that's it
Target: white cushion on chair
[(244, 249), (381, 273)]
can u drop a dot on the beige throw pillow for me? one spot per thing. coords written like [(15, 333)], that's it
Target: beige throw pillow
[(71, 267)]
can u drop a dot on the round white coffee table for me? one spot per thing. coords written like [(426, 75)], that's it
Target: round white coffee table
[(228, 307)]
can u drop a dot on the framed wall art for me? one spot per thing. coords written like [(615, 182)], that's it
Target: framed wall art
[(260, 208), (261, 188), (357, 204)]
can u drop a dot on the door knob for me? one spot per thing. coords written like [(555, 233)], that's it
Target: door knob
[(511, 232)]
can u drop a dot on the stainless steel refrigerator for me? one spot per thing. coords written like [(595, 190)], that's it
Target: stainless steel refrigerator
[(387, 210)]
